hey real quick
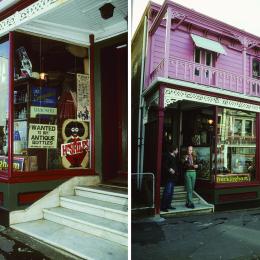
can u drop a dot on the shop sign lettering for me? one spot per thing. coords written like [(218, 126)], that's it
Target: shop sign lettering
[(43, 111), (73, 148), (42, 136), (233, 178), (17, 163)]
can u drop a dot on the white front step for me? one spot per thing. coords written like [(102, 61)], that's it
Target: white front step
[(176, 188), (183, 201), (111, 230), (118, 196), (96, 207), (181, 210), (76, 242)]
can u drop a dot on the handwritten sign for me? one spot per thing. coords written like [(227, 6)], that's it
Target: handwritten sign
[(42, 136)]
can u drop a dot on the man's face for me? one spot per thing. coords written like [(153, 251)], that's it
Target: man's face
[(176, 151), (189, 150)]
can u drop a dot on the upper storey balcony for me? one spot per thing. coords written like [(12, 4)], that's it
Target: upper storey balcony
[(188, 46), (206, 75)]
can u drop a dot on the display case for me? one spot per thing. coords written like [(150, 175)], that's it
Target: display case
[(35, 104)]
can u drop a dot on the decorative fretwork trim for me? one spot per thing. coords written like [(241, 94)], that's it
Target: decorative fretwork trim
[(28, 13), (173, 95)]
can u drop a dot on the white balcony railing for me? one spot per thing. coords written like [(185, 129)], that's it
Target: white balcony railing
[(206, 75)]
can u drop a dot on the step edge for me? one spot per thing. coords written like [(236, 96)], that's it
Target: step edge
[(62, 198), (124, 234), (121, 195)]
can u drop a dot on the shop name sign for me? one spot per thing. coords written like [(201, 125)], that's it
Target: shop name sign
[(232, 178), (43, 111), (42, 136)]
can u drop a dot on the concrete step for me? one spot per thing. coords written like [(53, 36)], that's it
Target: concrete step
[(95, 207), (111, 230), (181, 210), (183, 201), (176, 188), (76, 242), (104, 192)]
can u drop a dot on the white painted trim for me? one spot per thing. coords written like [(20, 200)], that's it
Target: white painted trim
[(29, 13), (191, 85), (173, 95)]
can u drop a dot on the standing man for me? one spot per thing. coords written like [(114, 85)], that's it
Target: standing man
[(190, 165), (170, 170)]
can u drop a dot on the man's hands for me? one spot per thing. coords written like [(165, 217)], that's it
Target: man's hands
[(171, 171)]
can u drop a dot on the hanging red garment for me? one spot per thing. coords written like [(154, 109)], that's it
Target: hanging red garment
[(67, 106)]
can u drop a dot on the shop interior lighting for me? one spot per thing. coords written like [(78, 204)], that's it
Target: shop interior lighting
[(210, 121)]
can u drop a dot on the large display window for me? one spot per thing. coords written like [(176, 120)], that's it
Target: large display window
[(4, 104), (236, 146), (52, 110)]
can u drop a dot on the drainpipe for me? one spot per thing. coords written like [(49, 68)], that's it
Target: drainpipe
[(140, 152)]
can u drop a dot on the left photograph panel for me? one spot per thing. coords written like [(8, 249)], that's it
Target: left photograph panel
[(63, 126)]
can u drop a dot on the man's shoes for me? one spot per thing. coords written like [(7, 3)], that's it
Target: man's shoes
[(164, 210), (190, 205), (171, 207)]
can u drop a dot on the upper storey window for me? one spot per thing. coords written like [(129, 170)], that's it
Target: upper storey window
[(256, 68), (203, 57)]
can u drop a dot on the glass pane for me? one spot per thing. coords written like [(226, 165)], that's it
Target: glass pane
[(256, 68), (248, 127), (208, 58), (4, 93), (238, 127), (197, 55), (51, 104), (236, 147)]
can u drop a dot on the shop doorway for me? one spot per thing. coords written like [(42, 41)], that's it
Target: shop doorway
[(114, 113), (188, 123)]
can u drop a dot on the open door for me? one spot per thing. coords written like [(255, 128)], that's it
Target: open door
[(114, 113)]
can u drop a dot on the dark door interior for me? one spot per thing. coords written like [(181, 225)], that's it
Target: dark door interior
[(114, 110)]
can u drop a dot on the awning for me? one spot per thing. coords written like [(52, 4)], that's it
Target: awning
[(208, 44)]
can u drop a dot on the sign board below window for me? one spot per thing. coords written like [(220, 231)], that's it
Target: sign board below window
[(232, 178)]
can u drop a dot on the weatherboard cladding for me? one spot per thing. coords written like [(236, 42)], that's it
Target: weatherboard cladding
[(182, 47)]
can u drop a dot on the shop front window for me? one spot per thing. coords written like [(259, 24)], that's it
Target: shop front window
[(4, 93), (51, 105), (236, 146)]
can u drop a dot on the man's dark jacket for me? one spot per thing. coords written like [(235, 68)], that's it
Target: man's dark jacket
[(168, 163)]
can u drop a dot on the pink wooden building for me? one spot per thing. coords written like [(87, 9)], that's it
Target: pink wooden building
[(200, 85)]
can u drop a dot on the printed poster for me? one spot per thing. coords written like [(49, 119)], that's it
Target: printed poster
[(83, 97), (42, 136)]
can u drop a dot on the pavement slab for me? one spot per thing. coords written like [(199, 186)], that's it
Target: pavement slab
[(225, 235)]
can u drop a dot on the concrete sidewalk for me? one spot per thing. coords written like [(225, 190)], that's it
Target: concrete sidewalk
[(15, 245), (220, 235)]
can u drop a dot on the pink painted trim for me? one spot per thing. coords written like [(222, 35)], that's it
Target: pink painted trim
[(167, 41)]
